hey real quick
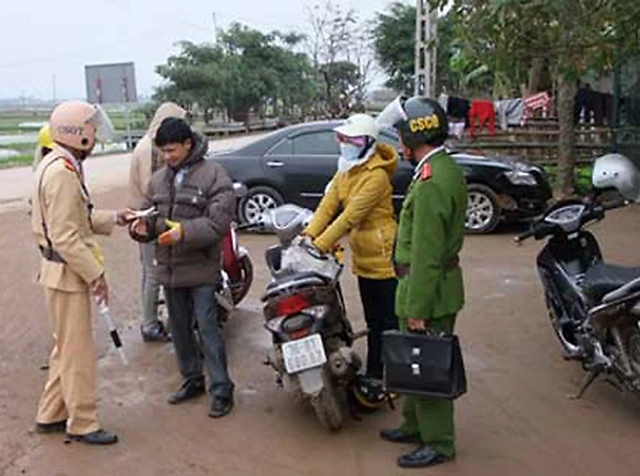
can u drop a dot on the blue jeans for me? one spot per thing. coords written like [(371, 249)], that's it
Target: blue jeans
[(198, 304)]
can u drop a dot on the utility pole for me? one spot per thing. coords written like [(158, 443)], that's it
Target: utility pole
[(54, 87), (425, 60)]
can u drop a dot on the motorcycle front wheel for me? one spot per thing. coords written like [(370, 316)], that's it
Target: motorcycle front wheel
[(633, 348), (241, 289)]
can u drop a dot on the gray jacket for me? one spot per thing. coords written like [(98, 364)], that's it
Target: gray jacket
[(199, 195)]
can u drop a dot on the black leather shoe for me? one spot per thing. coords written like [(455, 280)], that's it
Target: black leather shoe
[(221, 407), (396, 435), (421, 458), (99, 437), (188, 390), (55, 427), (157, 334)]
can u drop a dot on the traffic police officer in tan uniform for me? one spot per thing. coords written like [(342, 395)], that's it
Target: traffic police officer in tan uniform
[(71, 272), (430, 289)]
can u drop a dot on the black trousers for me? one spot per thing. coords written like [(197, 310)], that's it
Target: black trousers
[(378, 301)]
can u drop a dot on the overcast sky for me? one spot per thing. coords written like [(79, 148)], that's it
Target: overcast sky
[(40, 39)]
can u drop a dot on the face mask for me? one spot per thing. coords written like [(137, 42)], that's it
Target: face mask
[(350, 152), (350, 157)]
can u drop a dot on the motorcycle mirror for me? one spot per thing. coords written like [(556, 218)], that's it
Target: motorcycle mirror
[(392, 114)]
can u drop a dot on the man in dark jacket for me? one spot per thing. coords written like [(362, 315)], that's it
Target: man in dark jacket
[(195, 203)]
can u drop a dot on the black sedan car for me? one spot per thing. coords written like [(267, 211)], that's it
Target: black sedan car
[(295, 164)]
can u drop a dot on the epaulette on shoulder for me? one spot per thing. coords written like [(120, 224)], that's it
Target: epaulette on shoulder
[(426, 172), (69, 165)]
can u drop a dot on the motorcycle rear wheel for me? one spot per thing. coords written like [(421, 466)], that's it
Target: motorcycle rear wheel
[(327, 408)]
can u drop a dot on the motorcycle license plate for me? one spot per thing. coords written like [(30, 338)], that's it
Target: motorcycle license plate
[(303, 354)]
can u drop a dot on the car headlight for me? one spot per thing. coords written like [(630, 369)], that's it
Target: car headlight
[(520, 177)]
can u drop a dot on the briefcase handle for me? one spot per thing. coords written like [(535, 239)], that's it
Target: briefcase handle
[(430, 332)]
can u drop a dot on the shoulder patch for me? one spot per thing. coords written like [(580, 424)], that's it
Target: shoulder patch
[(426, 172), (68, 165)]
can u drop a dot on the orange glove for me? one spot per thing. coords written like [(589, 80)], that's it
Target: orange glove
[(173, 235)]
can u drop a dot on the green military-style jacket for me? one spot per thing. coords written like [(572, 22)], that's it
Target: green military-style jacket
[(430, 236)]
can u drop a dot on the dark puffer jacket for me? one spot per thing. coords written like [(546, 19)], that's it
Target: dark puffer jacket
[(204, 202)]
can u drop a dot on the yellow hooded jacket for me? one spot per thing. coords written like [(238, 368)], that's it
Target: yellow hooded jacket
[(359, 202)]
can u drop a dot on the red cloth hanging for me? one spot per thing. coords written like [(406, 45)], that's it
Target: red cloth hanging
[(484, 112)]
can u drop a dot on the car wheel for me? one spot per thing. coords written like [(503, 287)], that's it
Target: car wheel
[(483, 211), (258, 200)]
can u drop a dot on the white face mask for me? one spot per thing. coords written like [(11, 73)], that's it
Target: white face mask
[(350, 152), (350, 157)]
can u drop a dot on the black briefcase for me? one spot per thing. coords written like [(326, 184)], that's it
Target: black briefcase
[(423, 364)]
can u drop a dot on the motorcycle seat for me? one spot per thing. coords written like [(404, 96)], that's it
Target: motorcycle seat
[(307, 278), (601, 279)]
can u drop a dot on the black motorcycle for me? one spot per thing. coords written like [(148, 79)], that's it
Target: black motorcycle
[(594, 306)]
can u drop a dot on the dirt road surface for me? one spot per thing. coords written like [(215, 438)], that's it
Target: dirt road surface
[(515, 420)]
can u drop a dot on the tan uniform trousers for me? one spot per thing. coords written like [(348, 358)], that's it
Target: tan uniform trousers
[(70, 392)]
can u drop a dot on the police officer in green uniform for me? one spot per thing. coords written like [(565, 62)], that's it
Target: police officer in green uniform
[(430, 289)]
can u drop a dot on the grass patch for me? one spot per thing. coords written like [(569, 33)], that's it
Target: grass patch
[(10, 122), (17, 161), (20, 146)]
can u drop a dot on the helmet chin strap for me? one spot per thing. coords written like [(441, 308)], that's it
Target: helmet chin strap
[(409, 155), (365, 150)]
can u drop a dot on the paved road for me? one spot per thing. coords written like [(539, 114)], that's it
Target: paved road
[(515, 420)]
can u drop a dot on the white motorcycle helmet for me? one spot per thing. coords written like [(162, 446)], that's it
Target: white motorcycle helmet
[(617, 171)]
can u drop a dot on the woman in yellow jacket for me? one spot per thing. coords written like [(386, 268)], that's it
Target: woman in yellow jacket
[(358, 202)]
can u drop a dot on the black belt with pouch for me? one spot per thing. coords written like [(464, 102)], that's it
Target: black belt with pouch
[(51, 255), (403, 270), (423, 364)]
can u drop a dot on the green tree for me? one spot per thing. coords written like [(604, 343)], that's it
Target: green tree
[(245, 71), (394, 44)]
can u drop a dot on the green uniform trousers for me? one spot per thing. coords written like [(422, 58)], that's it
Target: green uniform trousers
[(431, 418)]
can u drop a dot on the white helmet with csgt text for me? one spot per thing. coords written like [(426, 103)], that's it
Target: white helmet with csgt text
[(78, 124)]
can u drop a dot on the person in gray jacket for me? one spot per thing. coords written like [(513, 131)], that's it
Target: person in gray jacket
[(144, 162), (195, 203)]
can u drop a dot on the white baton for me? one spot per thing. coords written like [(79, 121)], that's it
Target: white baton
[(113, 332)]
